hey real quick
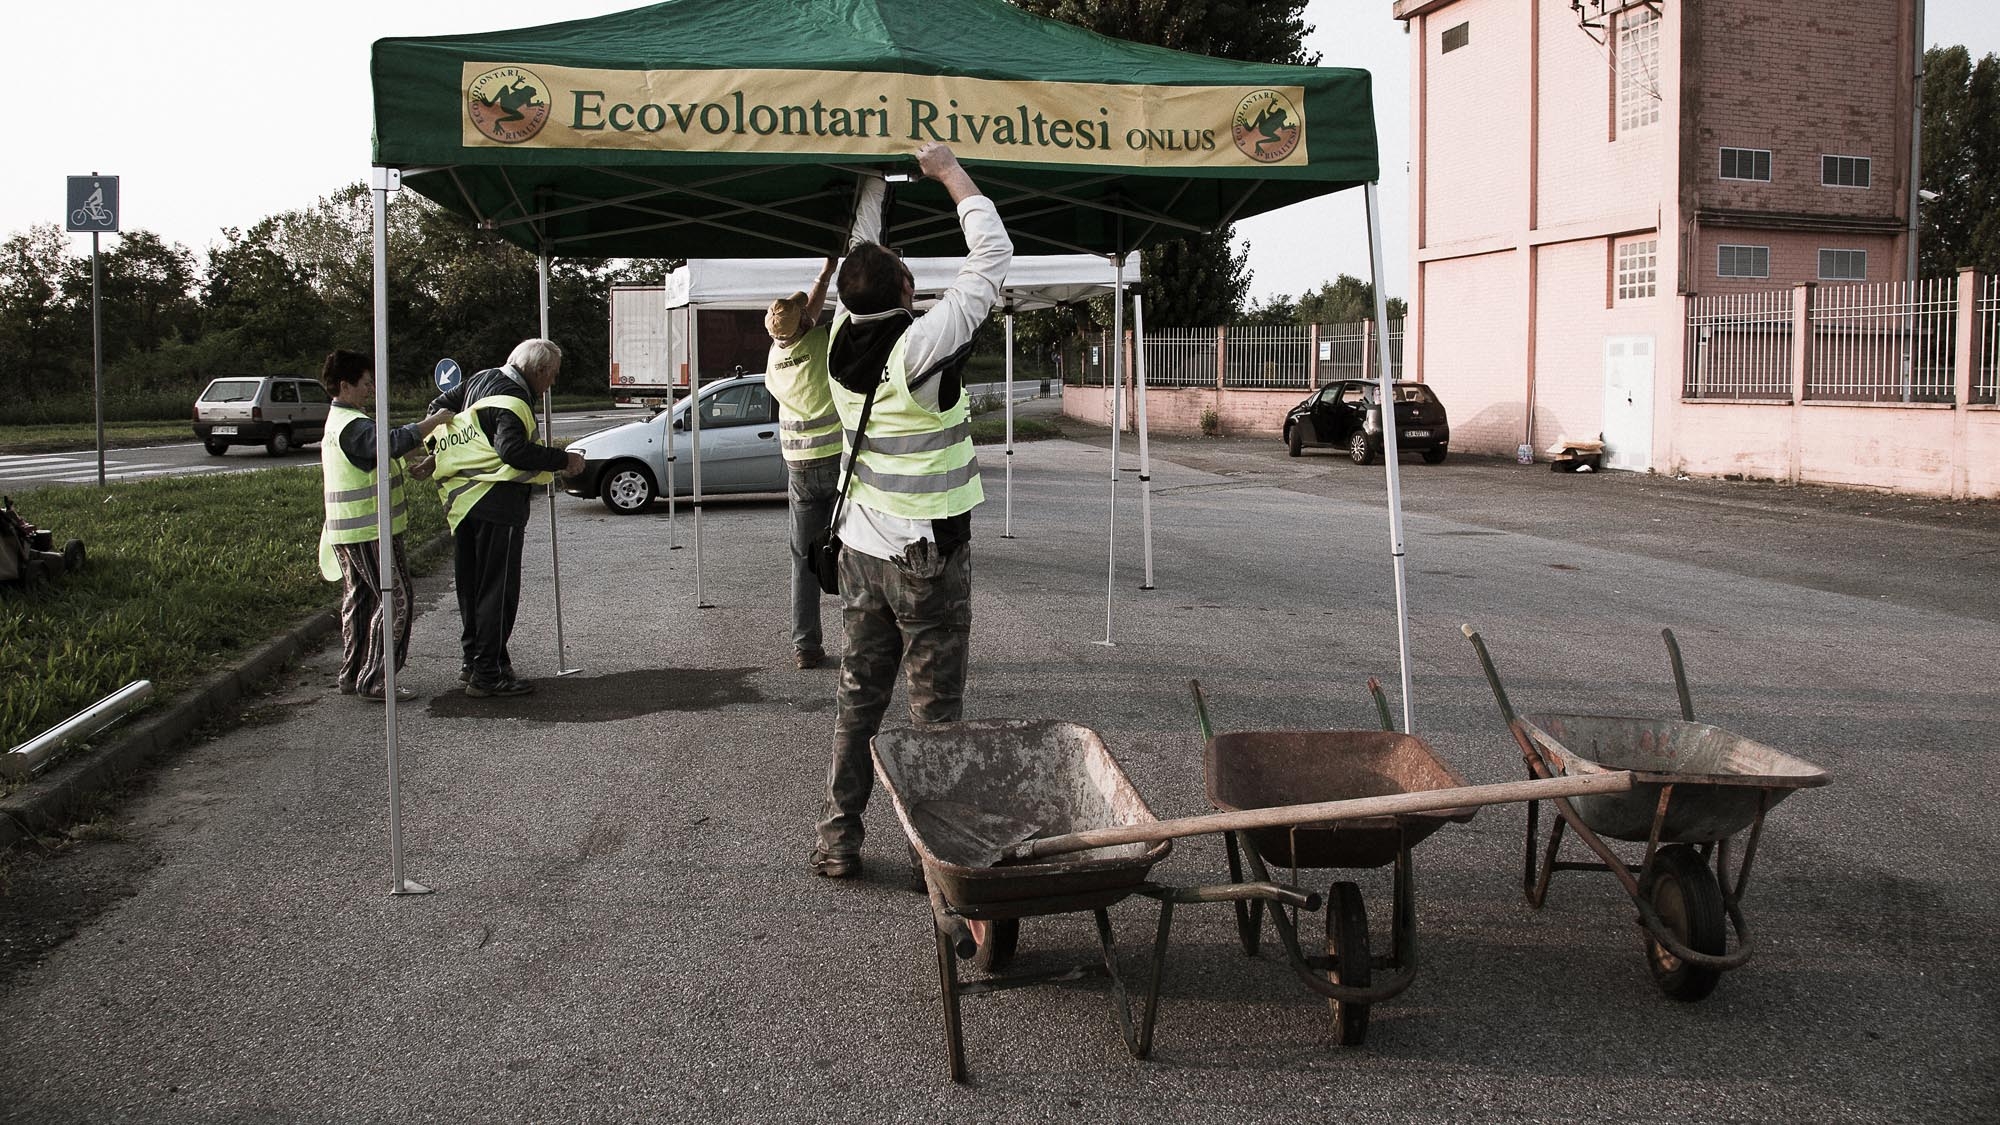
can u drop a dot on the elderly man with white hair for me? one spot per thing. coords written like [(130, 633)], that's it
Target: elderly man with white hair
[(488, 460)]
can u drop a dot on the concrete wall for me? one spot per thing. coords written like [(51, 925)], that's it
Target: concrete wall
[(1924, 449), (1178, 410), (1475, 348)]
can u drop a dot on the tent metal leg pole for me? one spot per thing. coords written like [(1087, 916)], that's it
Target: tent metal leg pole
[(673, 544), (1389, 451), (387, 180), (1007, 520), (1117, 416), (549, 435), (1145, 456), (694, 445)]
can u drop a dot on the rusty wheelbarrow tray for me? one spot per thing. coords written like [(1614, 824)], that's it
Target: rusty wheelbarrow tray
[(1038, 772), (1696, 788), (1262, 769)]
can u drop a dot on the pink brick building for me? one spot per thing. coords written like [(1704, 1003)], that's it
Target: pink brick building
[(1581, 170)]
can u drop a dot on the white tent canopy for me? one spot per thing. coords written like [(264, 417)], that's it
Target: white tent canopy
[(1033, 282)]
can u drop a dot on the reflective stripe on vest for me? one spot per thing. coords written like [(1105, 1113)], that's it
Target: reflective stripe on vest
[(350, 495), (796, 377), (914, 463), (467, 464)]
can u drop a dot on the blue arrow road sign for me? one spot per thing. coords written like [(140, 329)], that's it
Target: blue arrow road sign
[(447, 376)]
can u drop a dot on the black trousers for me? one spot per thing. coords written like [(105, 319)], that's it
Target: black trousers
[(487, 566)]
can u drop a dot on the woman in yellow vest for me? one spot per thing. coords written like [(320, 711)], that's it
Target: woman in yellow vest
[(349, 540), (795, 374), (906, 528)]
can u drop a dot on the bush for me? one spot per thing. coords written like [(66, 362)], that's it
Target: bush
[(1211, 423)]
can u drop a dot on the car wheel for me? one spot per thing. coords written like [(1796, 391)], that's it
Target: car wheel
[(280, 443), (215, 448), (626, 488), (1359, 449), (1435, 454), (1292, 443)]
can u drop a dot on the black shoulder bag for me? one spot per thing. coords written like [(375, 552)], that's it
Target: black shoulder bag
[(824, 558)]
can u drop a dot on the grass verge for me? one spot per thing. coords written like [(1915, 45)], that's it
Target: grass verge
[(988, 429), (184, 572)]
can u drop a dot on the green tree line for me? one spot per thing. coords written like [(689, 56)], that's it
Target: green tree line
[(276, 296), (1961, 154)]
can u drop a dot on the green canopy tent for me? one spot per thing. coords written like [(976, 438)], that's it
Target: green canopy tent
[(751, 128)]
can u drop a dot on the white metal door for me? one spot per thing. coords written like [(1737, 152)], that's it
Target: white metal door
[(1628, 402)]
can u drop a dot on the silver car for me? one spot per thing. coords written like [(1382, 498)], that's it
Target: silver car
[(277, 412), (626, 466)]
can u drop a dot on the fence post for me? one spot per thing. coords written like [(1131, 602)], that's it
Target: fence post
[(1964, 360), (1312, 356), (1367, 351), (1802, 358), (1221, 372), (1131, 348)]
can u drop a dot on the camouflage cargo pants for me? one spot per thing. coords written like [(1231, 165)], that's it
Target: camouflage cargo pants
[(915, 614)]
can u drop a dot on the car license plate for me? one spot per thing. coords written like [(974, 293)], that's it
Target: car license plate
[(223, 430), (1416, 433)]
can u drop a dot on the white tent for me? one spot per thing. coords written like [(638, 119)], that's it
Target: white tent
[(1033, 282)]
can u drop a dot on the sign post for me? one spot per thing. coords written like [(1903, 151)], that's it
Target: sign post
[(93, 207)]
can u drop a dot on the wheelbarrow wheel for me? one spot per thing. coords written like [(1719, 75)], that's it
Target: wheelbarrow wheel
[(1685, 895), (1347, 948), (996, 945)]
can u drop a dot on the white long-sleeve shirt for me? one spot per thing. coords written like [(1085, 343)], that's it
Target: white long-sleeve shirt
[(935, 336)]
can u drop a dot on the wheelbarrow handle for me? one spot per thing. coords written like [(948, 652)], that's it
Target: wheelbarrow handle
[(1201, 710), (1492, 673), (1680, 674), (1321, 812)]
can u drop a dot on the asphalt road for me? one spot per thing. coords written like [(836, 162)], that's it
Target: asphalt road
[(190, 459), (624, 929)]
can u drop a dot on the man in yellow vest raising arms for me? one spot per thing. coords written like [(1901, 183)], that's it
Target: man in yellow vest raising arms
[(809, 433), (488, 462), (349, 539), (906, 526)]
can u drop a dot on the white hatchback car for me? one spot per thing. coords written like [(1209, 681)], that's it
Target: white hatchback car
[(627, 468)]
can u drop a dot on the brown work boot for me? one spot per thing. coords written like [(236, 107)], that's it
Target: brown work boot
[(809, 658), (831, 866)]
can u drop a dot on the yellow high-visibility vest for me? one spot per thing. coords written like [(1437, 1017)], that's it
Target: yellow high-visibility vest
[(467, 464), (914, 463), (350, 494), (808, 426)]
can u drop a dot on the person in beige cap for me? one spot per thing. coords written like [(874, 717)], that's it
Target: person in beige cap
[(809, 430)]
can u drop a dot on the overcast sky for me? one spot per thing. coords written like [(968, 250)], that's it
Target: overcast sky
[(219, 112)]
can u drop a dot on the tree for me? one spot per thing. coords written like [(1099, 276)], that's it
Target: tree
[(37, 341), (146, 287), (1345, 300), (1200, 280), (1961, 153)]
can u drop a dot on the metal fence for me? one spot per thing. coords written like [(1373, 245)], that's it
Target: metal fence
[(1740, 346), (1986, 334), (1252, 357), (1347, 351), (1887, 342), (1263, 357)]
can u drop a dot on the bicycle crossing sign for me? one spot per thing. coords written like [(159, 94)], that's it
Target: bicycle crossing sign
[(93, 204)]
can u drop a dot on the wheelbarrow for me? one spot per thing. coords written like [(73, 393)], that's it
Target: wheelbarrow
[(1251, 769), (1696, 789), (986, 804)]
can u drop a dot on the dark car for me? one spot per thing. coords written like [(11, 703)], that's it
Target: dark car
[(1347, 415)]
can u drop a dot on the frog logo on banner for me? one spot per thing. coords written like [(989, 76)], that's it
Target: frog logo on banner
[(447, 376), (510, 104), (1267, 126)]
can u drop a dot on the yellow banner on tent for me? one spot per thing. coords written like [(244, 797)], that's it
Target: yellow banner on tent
[(848, 113)]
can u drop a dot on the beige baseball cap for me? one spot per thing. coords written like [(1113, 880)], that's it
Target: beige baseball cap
[(786, 317)]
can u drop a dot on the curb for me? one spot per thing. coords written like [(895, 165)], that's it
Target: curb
[(46, 802)]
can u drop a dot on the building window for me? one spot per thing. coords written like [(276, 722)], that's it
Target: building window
[(1638, 63), (1746, 164), (1843, 265), (1638, 269), (1456, 37), (1844, 171), (1743, 261)]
